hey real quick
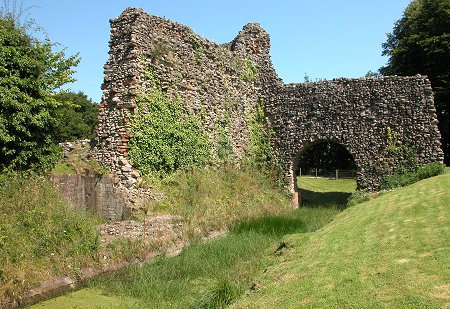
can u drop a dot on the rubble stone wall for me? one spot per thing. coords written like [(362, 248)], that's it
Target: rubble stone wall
[(356, 113), (224, 83)]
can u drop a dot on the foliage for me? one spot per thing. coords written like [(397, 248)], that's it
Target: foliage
[(224, 148), (39, 237), (420, 43), (76, 117), (30, 73), (198, 49), (404, 154), (358, 197), (261, 154), (401, 179), (370, 73), (164, 138), (79, 161), (250, 72)]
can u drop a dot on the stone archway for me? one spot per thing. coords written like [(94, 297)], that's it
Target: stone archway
[(304, 147), (219, 82), (338, 154)]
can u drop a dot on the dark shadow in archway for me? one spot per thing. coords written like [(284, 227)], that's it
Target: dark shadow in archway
[(324, 199)]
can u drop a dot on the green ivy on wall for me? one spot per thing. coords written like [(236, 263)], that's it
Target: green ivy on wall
[(261, 154), (224, 147), (164, 138), (405, 154), (251, 72)]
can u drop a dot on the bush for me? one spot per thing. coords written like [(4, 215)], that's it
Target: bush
[(358, 197), (406, 179), (30, 73), (430, 170)]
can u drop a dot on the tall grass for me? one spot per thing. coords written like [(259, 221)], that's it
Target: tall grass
[(213, 274), (214, 199), (38, 236)]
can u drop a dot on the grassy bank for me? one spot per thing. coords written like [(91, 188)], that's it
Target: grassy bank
[(204, 275), (325, 191), (214, 199), (39, 237), (390, 252)]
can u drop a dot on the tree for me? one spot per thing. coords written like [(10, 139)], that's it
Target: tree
[(76, 118), (30, 74), (420, 44)]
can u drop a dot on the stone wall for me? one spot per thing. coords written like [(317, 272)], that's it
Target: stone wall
[(98, 194), (220, 83), (224, 83), (356, 114)]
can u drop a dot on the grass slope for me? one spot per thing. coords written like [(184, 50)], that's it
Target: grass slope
[(390, 252)]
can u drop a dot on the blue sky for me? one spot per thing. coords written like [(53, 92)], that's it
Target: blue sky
[(323, 38)]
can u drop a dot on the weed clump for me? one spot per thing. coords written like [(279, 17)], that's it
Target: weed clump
[(211, 199)]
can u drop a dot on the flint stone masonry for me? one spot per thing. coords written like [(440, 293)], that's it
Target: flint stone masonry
[(209, 78), (220, 84), (356, 114)]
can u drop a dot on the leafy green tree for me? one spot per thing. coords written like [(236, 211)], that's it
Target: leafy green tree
[(30, 74), (420, 44), (76, 118)]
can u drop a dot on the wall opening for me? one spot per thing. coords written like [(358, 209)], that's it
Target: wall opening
[(324, 175)]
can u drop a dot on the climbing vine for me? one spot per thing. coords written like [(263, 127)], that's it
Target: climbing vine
[(251, 72), (224, 148), (164, 138), (261, 154), (404, 154)]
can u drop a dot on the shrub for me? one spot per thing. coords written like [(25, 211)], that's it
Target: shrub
[(358, 197), (430, 170), (405, 179)]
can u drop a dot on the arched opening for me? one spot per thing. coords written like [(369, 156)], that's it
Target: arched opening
[(324, 174)]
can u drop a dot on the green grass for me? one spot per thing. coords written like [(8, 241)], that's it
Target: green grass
[(204, 275), (326, 184), (390, 252), (214, 199), (39, 237), (325, 191)]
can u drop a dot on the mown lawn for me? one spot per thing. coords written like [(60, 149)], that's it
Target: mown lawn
[(390, 252), (325, 192)]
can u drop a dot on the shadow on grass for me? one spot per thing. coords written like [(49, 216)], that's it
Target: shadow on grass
[(275, 226), (324, 199)]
